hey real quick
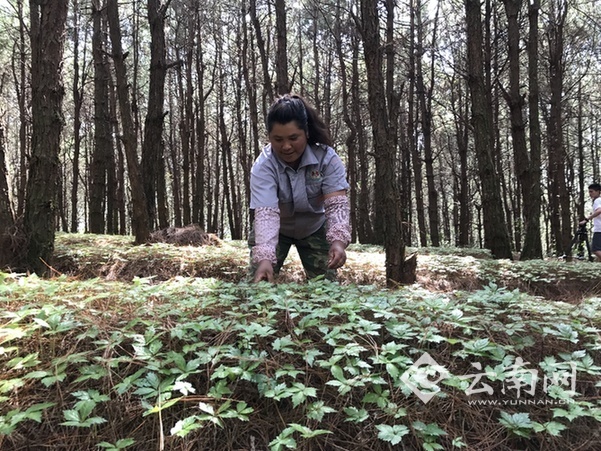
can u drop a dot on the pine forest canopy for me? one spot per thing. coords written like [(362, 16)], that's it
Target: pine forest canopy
[(464, 123)]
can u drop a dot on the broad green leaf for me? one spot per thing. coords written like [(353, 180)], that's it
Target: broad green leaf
[(71, 415), (185, 426), (392, 434), (518, 423), (337, 372), (356, 415), (552, 427), (317, 410)]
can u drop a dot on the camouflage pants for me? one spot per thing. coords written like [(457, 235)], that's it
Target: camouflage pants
[(312, 250)]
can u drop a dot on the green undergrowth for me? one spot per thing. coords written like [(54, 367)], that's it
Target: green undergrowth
[(205, 364)]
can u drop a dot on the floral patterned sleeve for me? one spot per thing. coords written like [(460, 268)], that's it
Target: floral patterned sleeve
[(338, 219), (267, 229)]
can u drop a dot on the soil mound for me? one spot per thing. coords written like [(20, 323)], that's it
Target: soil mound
[(190, 235)]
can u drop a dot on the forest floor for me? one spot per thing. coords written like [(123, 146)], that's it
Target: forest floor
[(439, 269), (164, 347)]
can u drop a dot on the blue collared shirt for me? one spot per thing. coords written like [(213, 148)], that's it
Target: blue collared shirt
[(297, 193)]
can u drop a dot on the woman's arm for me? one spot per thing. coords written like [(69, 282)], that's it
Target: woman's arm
[(338, 233)]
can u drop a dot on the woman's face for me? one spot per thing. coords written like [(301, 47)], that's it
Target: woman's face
[(288, 141)]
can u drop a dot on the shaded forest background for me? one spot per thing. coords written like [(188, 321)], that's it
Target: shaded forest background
[(464, 123)]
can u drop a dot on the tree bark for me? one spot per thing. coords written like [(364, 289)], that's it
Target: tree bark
[(496, 237), (61, 204), (153, 145), (201, 212), (140, 220), (102, 150), (281, 61), (515, 102), (412, 121), (77, 105), (181, 206), (365, 229), (249, 73), (351, 138), (388, 202), (136, 93), (525, 164), (229, 185), (245, 155), (47, 40), (21, 83), (425, 103), (250, 134), (7, 219), (460, 105), (316, 95), (580, 151), (174, 152), (559, 201), (121, 221), (267, 87), (214, 210)]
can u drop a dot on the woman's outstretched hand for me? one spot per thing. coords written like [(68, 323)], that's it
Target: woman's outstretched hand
[(337, 255), (264, 272)]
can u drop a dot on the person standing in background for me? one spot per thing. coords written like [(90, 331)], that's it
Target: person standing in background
[(594, 190)]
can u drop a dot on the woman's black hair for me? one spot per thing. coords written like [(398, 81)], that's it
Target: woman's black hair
[(291, 107)]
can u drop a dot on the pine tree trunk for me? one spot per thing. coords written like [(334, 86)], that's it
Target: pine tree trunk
[(225, 151), (121, 221), (77, 105), (460, 106), (140, 220), (365, 230), (102, 149), (416, 160), (496, 237), (47, 40), (581, 171), (161, 188), (181, 206), (559, 198), (387, 200), (405, 181), (153, 145), (424, 96), (267, 86), (526, 165), (7, 220), (249, 72), (351, 138), (214, 194), (187, 134), (174, 153), (281, 61), (23, 101), (242, 114), (200, 212), (516, 102)]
